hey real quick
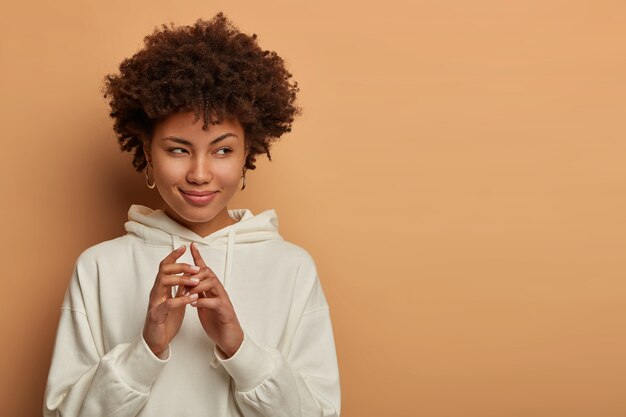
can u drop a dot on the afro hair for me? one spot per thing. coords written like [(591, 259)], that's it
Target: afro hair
[(210, 68)]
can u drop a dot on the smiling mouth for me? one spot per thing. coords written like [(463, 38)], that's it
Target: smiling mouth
[(197, 197), (197, 193)]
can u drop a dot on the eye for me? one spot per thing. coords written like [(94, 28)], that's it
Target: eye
[(227, 150), (171, 150)]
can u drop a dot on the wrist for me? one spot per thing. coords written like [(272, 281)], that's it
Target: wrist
[(161, 354), (228, 351), (158, 351)]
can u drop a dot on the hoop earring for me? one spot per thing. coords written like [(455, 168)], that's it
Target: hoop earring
[(147, 181), (244, 180)]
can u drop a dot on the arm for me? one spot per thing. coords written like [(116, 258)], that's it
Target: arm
[(302, 382), (86, 381), (305, 383), (83, 383), (300, 379)]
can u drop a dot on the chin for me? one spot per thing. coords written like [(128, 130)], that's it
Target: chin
[(192, 214)]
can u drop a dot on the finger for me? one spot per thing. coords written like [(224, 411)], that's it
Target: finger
[(173, 303), (164, 283), (171, 280), (211, 292), (179, 290), (177, 268), (159, 311), (212, 303), (186, 288), (204, 273), (197, 258), (166, 278), (173, 255), (210, 285)]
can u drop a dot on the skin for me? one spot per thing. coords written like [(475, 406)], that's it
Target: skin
[(200, 166)]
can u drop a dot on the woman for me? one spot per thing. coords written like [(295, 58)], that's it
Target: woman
[(197, 310)]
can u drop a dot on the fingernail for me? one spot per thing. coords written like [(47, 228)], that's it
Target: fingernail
[(195, 303), (195, 279), (195, 268), (181, 246), (194, 296)]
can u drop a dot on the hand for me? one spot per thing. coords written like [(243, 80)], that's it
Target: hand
[(165, 313), (215, 311)]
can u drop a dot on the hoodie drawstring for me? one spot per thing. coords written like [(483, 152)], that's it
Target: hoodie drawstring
[(157, 229), (175, 244), (230, 257), (228, 268)]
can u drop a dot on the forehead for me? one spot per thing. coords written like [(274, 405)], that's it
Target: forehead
[(182, 125)]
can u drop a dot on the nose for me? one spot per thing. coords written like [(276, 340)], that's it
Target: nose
[(199, 171)]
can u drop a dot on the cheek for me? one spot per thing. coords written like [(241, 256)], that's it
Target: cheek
[(227, 175), (168, 173), (168, 170)]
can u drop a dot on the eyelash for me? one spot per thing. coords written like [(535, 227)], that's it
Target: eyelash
[(171, 150)]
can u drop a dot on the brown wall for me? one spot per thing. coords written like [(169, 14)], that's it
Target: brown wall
[(458, 174)]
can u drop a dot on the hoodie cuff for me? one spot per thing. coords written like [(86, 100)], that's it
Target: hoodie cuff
[(138, 366), (249, 366)]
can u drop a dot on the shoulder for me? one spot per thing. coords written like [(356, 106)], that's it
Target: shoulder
[(307, 277), (302, 266), (103, 251), (303, 272), (291, 253), (86, 275)]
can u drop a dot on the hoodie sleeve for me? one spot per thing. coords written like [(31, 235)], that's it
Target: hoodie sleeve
[(302, 383), (84, 380)]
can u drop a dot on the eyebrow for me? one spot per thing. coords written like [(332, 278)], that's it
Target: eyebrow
[(186, 142)]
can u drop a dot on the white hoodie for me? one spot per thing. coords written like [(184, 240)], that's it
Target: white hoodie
[(286, 365)]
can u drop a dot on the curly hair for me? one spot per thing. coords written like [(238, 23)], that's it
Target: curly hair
[(210, 68)]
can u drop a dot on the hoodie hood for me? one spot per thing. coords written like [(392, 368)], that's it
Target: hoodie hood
[(156, 228)]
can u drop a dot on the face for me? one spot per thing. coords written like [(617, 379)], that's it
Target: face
[(197, 171)]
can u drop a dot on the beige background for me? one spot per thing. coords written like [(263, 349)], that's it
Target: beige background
[(458, 174)]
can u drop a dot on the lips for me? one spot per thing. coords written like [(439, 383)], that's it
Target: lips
[(198, 198), (197, 193)]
